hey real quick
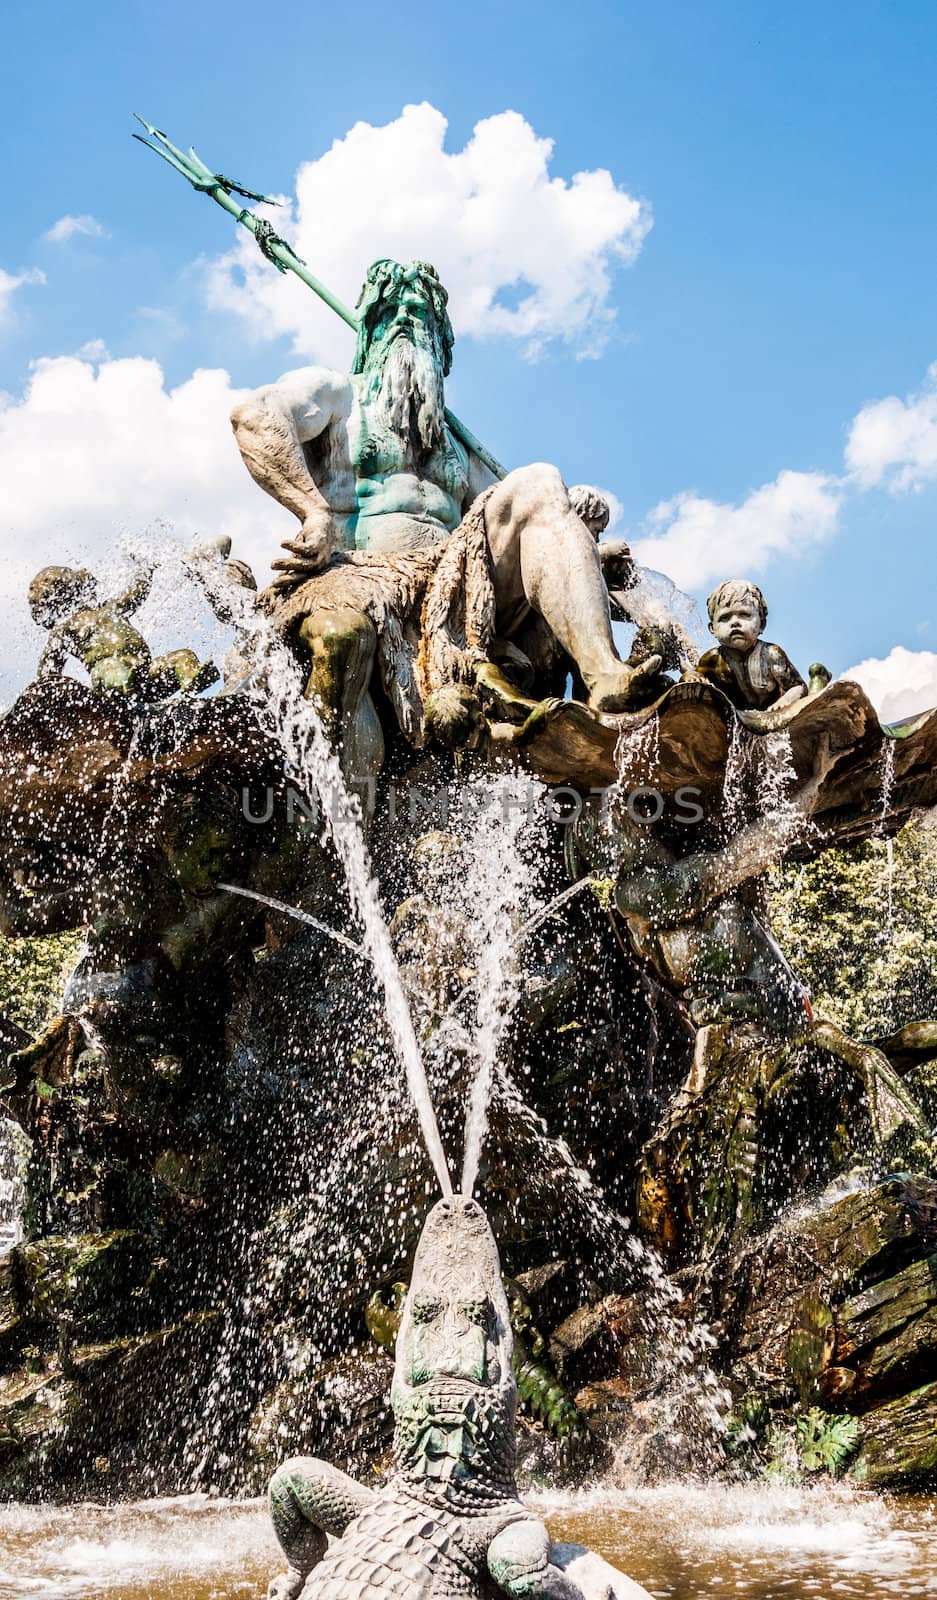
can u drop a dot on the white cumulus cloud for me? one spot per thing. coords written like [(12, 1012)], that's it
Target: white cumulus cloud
[(95, 455), (694, 540), (522, 253), (900, 684), (894, 442), (68, 226), (11, 281)]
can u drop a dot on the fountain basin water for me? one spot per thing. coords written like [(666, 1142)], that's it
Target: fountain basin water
[(682, 1540)]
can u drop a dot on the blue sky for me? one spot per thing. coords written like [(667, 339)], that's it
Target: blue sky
[(786, 156)]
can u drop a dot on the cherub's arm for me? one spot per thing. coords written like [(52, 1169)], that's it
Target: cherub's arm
[(782, 669), (271, 426), (712, 665), (131, 598)]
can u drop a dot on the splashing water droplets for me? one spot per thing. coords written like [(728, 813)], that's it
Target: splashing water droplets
[(498, 879), (637, 755), (275, 690), (654, 601), (888, 780)]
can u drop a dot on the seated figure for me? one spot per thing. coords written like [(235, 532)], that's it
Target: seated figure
[(98, 633), (390, 499), (752, 673)]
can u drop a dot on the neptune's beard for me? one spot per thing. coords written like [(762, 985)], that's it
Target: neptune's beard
[(407, 387)]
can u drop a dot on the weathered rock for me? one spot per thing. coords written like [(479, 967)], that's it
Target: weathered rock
[(63, 1427), (339, 1408), (838, 1307), (576, 1332), (729, 1154), (65, 1288), (899, 1442), (889, 1331)]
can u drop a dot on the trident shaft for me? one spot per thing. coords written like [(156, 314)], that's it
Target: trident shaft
[(222, 190)]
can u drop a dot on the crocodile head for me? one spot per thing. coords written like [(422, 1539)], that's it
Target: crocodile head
[(454, 1394)]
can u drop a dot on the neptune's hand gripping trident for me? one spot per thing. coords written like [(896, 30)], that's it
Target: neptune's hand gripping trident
[(277, 250)]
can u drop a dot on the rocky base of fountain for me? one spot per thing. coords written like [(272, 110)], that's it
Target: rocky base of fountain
[(824, 1339), (194, 1339), (190, 1289), (835, 1311)]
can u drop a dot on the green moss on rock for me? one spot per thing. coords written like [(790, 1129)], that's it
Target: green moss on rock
[(899, 1442)]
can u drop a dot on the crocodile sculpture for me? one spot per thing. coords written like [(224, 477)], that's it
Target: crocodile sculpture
[(449, 1522)]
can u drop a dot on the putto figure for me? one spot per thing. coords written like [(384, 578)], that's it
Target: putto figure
[(752, 673), (65, 601), (378, 480)]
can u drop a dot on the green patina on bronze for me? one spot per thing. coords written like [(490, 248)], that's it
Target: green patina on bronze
[(278, 251)]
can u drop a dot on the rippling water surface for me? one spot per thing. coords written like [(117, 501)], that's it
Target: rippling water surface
[(682, 1543)]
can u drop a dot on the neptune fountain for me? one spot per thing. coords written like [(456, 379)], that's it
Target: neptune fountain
[(437, 869)]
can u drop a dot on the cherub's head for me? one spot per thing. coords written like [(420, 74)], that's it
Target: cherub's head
[(737, 614), (591, 507), (56, 592)]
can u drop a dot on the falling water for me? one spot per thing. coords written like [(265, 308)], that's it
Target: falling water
[(301, 916), (887, 791), (777, 778), (310, 757), (497, 882), (275, 690), (735, 784), (14, 1161), (637, 755), (686, 1392), (654, 601), (887, 782)]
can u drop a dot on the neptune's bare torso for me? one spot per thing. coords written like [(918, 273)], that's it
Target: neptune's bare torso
[(380, 495)]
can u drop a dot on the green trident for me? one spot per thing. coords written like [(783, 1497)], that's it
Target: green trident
[(283, 256)]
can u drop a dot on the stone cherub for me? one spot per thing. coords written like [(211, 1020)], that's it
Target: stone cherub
[(99, 634), (750, 671), (449, 1522), (386, 494)]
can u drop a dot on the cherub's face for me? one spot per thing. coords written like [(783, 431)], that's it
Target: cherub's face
[(56, 592), (45, 613), (51, 606), (737, 624)]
